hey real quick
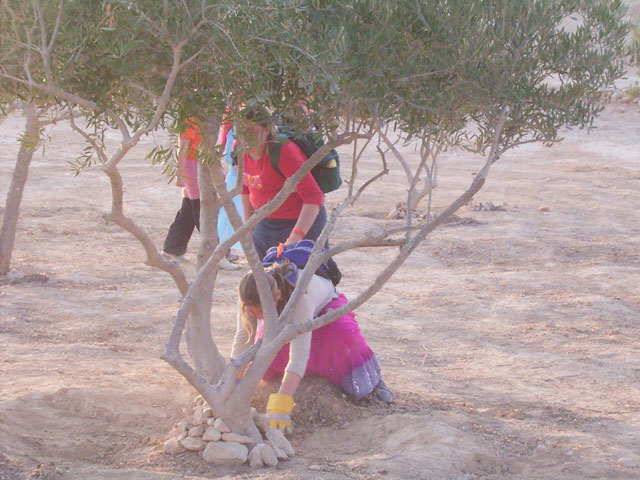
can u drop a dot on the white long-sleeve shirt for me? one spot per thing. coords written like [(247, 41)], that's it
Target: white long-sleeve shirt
[(320, 292)]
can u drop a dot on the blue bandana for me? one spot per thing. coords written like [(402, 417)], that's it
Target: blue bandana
[(297, 253)]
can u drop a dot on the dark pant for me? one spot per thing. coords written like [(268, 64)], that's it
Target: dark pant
[(272, 231), (182, 227)]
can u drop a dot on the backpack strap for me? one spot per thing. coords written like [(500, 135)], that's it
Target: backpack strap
[(274, 157)]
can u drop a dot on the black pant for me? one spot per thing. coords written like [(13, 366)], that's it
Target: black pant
[(269, 232), (181, 229)]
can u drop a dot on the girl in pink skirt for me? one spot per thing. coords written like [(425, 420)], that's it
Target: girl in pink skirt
[(336, 351)]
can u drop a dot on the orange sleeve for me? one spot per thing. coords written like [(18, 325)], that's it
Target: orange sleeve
[(192, 133)]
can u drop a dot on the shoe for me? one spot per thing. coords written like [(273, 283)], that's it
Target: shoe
[(177, 258), (227, 265), (232, 257), (382, 392)]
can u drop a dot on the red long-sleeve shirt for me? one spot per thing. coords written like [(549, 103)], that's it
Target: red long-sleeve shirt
[(262, 182)]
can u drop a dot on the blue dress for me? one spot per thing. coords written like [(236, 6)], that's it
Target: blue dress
[(225, 229)]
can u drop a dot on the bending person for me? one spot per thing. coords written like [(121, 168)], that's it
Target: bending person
[(336, 351)]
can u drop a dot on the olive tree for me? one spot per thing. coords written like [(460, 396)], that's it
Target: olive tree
[(486, 76), (37, 117), (39, 111)]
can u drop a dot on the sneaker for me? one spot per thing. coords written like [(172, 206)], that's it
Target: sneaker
[(227, 265), (177, 258), (382, 392)]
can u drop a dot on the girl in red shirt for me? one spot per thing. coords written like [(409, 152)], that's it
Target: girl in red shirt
[(302, 215)]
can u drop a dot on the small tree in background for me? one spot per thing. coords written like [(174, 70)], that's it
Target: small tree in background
[(37, 117), (39, 110), (487, 76)]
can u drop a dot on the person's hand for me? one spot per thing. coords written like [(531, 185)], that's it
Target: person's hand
[(279, 409), (280, 421)]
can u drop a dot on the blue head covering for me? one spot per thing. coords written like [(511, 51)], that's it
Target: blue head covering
[(298, 254)]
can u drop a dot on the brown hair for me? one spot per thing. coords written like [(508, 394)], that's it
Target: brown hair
[(261, 116), (248, 292)]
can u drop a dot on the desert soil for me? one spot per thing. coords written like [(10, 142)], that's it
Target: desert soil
[(511, 338)]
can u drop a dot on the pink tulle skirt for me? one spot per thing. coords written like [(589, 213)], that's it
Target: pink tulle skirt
[(339, 353)]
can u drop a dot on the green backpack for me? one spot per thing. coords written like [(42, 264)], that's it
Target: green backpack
[(326, 173)]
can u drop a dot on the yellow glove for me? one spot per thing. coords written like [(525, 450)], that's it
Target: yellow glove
[(279, 409)]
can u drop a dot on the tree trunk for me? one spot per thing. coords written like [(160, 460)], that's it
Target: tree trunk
[(207, 360), (18, 181)]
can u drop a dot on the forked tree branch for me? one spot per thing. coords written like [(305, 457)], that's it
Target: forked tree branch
[(172, 350)]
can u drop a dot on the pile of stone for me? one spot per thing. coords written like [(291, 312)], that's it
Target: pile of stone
[(202, 432), (620, 97), (488, 207)]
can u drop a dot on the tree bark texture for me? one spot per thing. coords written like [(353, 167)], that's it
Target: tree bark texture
[(207, 360)]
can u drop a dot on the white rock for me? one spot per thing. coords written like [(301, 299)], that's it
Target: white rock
[(541, 448), (221, 426), (198, 415), (261, 422), (207, 412), (184, 425), (197, 431), (211, 435), (618, 96), (193, 443), (278, 452), (173, 446), (175, 431), (199, 400), (629, 462), (188, 411), (236, 437), (255, 456), (276, 437), (225, 453), (268, 456)]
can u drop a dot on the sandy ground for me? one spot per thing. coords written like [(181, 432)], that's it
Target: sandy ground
[(511, 338)]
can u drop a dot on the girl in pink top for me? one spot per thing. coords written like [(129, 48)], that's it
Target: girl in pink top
[(188, 217)]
